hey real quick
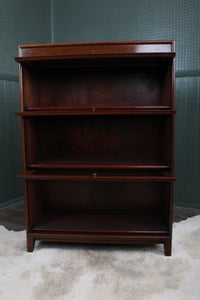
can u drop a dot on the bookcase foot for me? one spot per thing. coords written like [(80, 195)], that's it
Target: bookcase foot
[(30, 243), (167, 248)]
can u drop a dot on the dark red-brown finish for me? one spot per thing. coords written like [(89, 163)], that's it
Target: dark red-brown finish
[(97, 131)]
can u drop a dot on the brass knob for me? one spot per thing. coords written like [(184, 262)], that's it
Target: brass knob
[(94, 108), (93, 51), (94, 174)]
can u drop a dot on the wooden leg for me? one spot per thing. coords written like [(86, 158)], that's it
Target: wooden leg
[(167, 247), (30, 243)]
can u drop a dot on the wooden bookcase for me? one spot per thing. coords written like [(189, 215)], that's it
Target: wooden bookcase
[(97, 128)]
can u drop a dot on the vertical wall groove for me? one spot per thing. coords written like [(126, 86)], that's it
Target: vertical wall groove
[(52, 22)]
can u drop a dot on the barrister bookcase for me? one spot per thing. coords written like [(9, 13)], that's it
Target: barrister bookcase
[(97, 131)]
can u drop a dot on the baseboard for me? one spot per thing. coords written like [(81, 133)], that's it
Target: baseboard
[(11, 202), (191, 206)]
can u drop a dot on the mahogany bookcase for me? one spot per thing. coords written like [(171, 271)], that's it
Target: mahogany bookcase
[(97, 131)]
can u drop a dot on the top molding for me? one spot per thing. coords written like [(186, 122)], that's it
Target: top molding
[(92, 49)]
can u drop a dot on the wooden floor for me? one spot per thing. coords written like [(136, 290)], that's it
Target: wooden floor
[(13, 218)]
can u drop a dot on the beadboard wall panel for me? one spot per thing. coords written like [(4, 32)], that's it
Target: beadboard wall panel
[(21, 22), (10, 147), (89, 20), (79, 21), (187, 142)]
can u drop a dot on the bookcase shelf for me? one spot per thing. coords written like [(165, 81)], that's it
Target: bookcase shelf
[(97, 127), (95, 177), (88, 164), (94, 111), (100, 108), (144, 224)]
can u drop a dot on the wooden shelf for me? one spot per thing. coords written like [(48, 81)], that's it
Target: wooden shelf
[(94, 56), (94, 111), (114, 107), (109, 223), (86, 162), (95, 177), (93, 166)]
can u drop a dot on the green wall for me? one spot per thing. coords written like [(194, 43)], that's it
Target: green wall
[(109, 20), (44, 21), (21, 22)]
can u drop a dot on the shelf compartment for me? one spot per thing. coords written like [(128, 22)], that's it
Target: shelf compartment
[(122, 142), (102, 223), (68, 203), (128, 85)]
